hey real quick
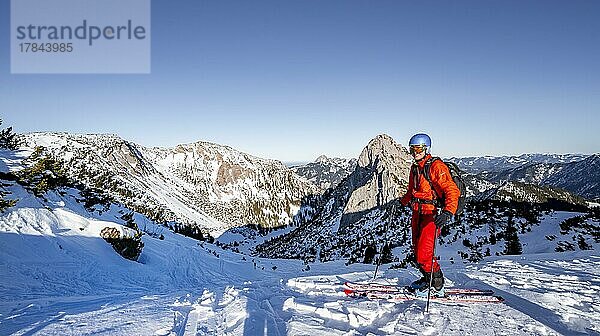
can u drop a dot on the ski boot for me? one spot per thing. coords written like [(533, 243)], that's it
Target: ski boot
[(434, 293), (437, 283), (438, 280), (420, 283)]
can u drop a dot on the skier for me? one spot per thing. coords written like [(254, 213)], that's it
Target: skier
[(429, 214)]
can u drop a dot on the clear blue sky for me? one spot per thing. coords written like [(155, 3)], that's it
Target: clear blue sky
[(291, 80)]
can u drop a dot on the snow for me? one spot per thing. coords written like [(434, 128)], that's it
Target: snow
[(12, 160), (58, 277)]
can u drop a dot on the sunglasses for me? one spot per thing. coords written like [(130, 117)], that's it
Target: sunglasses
[(417, 149)]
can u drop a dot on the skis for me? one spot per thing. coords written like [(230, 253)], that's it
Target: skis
[(391, 288), (395, 293)]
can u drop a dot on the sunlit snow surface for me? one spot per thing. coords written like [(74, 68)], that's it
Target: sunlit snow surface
[(58, 277)]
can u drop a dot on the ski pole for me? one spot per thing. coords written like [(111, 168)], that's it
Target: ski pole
[(384, 243), (431, 273), (377, 267)]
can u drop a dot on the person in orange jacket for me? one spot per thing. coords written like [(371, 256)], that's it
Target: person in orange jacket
[(433, 203)]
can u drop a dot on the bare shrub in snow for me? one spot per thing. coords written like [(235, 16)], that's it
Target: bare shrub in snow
[(127, 246)]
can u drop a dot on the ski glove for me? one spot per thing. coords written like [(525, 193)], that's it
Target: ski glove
[(443, 219)]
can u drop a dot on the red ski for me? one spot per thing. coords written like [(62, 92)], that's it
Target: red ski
[(360, 286), (408, 296)]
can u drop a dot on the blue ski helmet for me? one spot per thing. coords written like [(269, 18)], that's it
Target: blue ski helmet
[(420, 139)]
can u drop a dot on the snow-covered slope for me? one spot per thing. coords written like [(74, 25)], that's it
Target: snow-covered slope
[(209, 185), (57, 277), (523, 192), (581, 178)]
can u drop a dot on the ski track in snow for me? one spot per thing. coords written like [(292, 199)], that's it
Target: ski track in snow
[(57, 277), (315, 305), (564, 294), (544, 297)]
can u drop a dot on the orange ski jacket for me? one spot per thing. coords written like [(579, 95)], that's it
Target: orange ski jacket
[(420, 195)]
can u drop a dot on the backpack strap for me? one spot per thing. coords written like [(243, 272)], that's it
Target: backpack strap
[(415, 171), (427, 174)]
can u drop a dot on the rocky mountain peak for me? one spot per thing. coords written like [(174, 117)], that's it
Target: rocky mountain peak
[(382, 147), (379, 179), (357, 205), (321, 159)]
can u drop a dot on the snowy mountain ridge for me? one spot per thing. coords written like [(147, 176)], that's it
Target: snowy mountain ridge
[(326, 172), (578, 177), (528, 193), (209, 185), (216, 187), (479, 164)]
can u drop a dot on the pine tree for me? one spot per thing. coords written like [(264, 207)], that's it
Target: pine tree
[(513, 244), (8, 139), (5, 203), (369, 254), (583, 245), (44, 174), (386, 254), (492, 235)]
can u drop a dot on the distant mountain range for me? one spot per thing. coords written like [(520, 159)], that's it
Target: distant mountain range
[(578, 174), (483, 164), (326, 172), (216, 187), (575, 173), (333, 208)]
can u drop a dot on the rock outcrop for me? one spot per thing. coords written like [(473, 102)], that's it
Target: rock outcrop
[(380, 177)]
